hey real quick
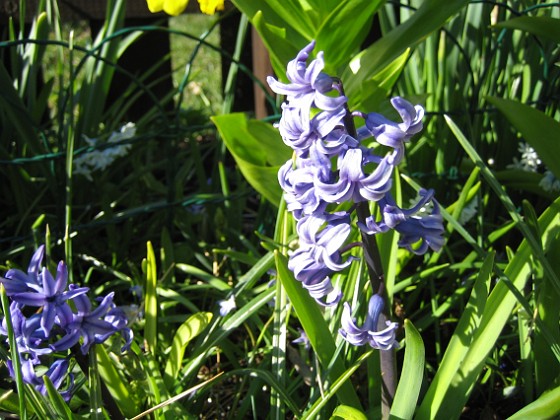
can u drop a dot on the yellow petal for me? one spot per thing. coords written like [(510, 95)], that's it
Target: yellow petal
[(155, 5), (175, 7), (210, 6)]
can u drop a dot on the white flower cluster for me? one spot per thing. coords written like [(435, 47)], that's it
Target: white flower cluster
[(529, 159), (101, 159), (530, 162)]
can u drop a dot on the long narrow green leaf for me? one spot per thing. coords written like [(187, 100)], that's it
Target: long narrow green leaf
[(192, 327), (116, 386), (537, 128), (429, 17), (16, 361), (547, 406), (410, 382), (543, 26), (335, 388), (459, 343), (533, 242), (235, 320), (62, 409), (258, 150), (316, 329), (340, 40), (150, 300), (496, 313), (348, 413)]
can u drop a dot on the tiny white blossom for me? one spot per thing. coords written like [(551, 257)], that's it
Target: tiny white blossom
[(529, 161), (227, 305), (99, 160)]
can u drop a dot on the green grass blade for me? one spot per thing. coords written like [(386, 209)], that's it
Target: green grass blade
[(115, 385), (316, 329), (235, 320), (335, 388), (459, 343), (497, 312), (410, 382), (533, 242)]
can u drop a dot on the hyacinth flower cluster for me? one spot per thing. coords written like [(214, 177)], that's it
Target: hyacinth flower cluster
[(336, 163), (45, 325)]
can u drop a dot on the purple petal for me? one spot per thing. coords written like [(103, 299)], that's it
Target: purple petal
[(35, 263), (30, 298), (61, 277)]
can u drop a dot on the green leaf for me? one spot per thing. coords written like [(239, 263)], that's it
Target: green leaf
[(542, 26), (313, 412), (537, 128), (13, 351), (460, 341), (348, 413), (340, 40), (191, 328), (258, 150), (281, 47), (280, 13), (497, 312), (547, 406), (150, 301), (114, 383), (410, 382), (430, 16), (316, 329), (62, 409)]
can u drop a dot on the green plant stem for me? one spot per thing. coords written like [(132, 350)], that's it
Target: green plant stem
[(387, 358), (107, 399), (16, 362)]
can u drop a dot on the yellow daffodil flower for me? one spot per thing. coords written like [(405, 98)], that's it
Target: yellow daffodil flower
[(211, 6), (171, 7), (176, 7)]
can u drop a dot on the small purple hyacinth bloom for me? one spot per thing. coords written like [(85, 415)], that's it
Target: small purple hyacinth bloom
[(86, 324), (302, 339), (392, 134), (29, 337), (412, 225), (355, 185), (51, 296), (369, 333), (318, 255), (57, 372), (309, 85), (119, 319), (16, 281), (299, 132)]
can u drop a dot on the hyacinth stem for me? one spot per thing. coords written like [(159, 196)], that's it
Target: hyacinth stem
[(109, 402), (387, 358)]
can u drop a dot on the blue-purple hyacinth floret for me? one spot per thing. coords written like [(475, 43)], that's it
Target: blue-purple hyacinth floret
[(318, 256), (369, 332), (334, 164), (44, 322)]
